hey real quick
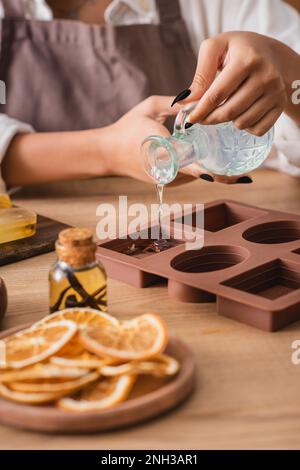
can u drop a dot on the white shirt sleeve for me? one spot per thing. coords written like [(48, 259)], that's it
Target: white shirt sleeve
[(9, 128), (34, 9), (274, 18)]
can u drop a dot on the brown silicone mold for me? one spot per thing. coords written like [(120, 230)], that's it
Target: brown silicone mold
[(249, 265)]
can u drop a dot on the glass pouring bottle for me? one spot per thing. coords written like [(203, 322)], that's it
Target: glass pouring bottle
[(220, 149)]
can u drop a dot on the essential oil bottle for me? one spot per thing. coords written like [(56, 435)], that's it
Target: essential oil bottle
[(77, 279)]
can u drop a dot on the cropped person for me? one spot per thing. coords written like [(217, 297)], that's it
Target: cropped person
[(76, 82)]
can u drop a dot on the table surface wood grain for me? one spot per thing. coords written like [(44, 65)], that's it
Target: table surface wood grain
[(247, 393)]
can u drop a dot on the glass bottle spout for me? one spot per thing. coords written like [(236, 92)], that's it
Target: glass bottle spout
[(164, 156)]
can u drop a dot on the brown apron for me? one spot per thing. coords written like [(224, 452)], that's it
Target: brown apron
[(67, 75)]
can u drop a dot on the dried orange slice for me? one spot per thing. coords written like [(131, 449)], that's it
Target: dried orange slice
[(137, 339), (160, 366), (50, 387), (83, 317), (28, 398), (114, 371), (72, 348), (42, 371), (85, 360), (106, 393), (36, 344)]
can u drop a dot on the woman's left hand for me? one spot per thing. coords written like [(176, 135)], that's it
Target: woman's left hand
[(124, 138), (252, 87)]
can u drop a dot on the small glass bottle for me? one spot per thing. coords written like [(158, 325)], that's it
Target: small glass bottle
[(77, 279), (220, 149)]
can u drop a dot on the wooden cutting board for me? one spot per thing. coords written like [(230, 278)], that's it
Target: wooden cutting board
[(42, 242), (151, 397)]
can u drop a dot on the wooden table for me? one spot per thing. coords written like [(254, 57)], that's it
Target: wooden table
[(247, 394)]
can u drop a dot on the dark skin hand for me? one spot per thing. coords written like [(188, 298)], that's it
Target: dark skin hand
[(254, 84), (83, 10), (246, 78)]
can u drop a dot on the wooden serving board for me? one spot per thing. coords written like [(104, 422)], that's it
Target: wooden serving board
[(151, 397), (42, 242)]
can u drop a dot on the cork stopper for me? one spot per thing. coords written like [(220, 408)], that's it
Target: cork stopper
[(76, 247)]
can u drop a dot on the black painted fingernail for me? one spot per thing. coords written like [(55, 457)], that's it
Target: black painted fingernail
[(188, 125), (206, 177), (182, 96), (245, 180)]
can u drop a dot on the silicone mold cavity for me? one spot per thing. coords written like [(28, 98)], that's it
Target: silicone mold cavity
[(209, 259), (224, 215), (271, 281), (124, 246), (272, 233)]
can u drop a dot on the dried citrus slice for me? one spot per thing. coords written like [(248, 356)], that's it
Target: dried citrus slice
[(114, 371), (28, 398), (42, 371), (50, 387), (35, 345), (72, 348), (160, 366), (85, 360), (83, 317), (106, 393), (137, 339)]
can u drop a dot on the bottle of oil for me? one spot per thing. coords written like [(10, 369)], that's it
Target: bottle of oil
[(77, 279)]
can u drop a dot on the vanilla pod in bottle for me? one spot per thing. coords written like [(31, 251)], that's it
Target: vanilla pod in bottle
[(77, 279)]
